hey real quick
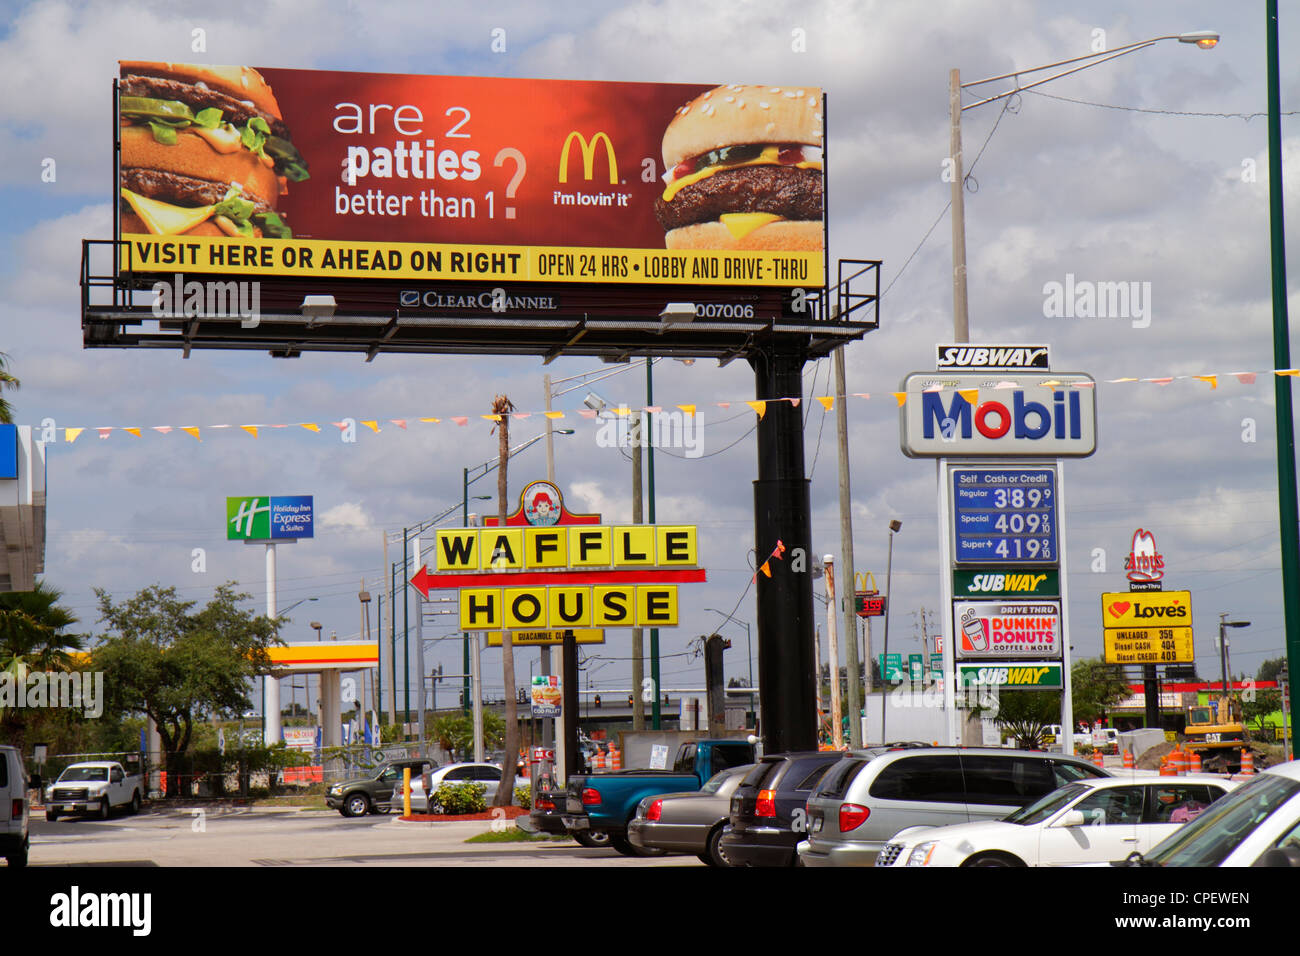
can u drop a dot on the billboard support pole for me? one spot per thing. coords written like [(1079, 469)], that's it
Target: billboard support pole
[(272, 732), (785, 600)]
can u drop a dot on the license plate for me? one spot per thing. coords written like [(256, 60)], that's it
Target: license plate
[(817, 825), (69, 806)]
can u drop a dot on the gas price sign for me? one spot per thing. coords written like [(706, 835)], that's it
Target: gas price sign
[(1004, 515)]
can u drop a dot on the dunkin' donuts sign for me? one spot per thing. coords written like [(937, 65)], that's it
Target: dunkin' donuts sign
[(1009, 631)]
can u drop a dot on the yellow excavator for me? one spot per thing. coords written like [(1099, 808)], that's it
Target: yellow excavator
[(1216, 731)]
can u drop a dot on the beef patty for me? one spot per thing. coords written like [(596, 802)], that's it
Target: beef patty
[(181, 190), (199, 98), (785, 191)]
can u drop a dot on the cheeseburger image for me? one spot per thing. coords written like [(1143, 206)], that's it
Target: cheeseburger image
[(744, 170), (205, 152)]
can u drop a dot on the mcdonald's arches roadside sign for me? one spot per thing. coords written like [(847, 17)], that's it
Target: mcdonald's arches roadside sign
[(868, 604)]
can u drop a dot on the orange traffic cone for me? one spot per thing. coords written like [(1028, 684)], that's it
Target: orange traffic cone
[(1129, 763), (1097, 759), (1247, 762), (1178, 761), (615, 758), (598, 760), (1166, 768), (1195, 764)]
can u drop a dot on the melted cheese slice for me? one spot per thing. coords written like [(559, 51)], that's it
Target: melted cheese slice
[(741, 224), (767, 158), (164, 219)]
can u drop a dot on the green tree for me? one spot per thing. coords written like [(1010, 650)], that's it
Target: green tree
[(1271, 669), (6, 381), (33, 636), (1026, 715), (1265, 702), (1095, 687), (177, 665), (455, 732)]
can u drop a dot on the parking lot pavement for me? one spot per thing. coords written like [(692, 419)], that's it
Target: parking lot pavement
[(281, 836)]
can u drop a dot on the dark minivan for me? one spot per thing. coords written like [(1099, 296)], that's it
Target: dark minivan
[(768, 816)]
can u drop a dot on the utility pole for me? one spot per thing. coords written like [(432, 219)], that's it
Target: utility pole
[(960, 322), (833, 654), (846, 547), (638, 707), (549, 737)]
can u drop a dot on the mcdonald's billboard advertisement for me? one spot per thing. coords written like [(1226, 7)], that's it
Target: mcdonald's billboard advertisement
[(266, 172)]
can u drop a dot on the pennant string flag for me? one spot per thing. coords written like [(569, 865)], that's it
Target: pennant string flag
[(251, 429), (828, 401), (759, 407)]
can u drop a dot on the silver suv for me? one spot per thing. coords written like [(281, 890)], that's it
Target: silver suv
[(869, 796), (14, 811)]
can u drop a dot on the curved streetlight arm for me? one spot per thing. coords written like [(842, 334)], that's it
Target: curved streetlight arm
[(1095, 59)]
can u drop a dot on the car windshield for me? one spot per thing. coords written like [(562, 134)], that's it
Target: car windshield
[(715, 782), (1222, 826), (1045, 806), (83, 773)]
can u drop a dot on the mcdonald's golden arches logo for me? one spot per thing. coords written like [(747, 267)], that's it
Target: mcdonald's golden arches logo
[(588, 150)]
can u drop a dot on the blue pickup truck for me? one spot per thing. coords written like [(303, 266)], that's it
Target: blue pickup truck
[(606, 802)]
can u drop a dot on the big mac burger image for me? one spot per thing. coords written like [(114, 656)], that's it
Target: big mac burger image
[(744, 170), (205, 152)]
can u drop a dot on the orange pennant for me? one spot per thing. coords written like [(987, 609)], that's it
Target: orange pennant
[(1211, 380), (251, 429), (433, 420), (688, 409), (134, 431), (554, 414), (765, 569), (373, 426), (759, 407), (900, 397), (310, 426), (828, 401), (191, 430), (972, 395)]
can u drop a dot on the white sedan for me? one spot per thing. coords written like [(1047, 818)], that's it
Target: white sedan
[(1089, 821), (489, 775)]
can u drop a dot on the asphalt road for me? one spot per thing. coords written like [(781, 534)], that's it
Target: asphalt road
[(285, 837)]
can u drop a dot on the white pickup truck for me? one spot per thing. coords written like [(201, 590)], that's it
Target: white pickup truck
[(96, 787)]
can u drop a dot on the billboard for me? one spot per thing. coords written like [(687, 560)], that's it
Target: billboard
[(267, 172), (1001, 629), (1147, 627), (269, 518)]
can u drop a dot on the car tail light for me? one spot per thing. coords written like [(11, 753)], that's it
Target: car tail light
[(765, 806), (590, 797), (656, 810), (852, 816), (16, 812), (545, 804)]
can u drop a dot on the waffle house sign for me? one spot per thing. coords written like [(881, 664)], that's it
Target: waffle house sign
[(549, 569)]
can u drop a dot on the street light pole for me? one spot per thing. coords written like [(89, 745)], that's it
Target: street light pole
[(894, 526), (1204, 39)]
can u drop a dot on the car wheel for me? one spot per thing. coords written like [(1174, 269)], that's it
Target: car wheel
[(51, 815), (135, 802), (104, 809), (381, 811), (625, 846), (713, 853), (18, 857), (356, 805), (994, 859), (592, 839)]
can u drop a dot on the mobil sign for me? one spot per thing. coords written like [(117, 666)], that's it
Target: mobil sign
[(964, 414)]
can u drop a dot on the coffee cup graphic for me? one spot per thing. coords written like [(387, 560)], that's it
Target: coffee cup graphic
[(973, 631)]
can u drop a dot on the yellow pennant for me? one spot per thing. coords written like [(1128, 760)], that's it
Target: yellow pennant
[(759, 407), (251, 429), (764, 567), (311, 427), (551, 414), (1288, 371), (900, 397), (688, 409), (972, 395), (133, 431), (373, 426), (1212, 380), (70, 434), (433, 420), (191, 430), (828, 401), (491, 418)]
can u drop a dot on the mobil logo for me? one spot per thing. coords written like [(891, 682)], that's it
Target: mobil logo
[(1033, 415)]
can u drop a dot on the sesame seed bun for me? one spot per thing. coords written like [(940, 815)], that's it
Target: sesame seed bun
[(240, 82), (782, 236), (732, 115)]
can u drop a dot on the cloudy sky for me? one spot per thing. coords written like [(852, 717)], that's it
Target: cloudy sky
[(1125, 186)]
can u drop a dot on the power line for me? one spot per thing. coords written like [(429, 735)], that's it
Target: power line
[(1247, 117)]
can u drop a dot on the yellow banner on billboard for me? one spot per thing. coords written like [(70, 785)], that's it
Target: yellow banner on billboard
[(1149, 645), (342, 259), (539, 638), (1146, 609), (552, 608)]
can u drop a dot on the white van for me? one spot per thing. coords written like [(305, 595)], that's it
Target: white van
[(14, 811)]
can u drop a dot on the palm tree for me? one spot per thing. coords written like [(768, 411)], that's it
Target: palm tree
[(31, 638), (6, 381)]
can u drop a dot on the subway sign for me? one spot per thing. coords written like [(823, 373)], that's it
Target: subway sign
[(1008, 583), (1018, 675), (1004, 414)]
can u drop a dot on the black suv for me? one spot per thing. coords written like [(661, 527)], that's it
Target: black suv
[(372, 794), (768, 816)]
